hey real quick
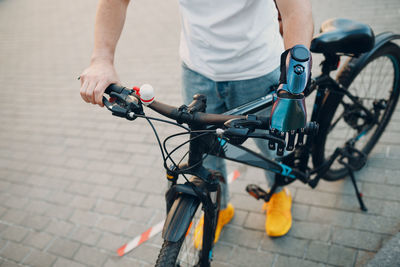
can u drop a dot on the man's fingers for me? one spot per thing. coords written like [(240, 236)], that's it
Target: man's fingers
[(84, 85), (99, 91), (89, 93)]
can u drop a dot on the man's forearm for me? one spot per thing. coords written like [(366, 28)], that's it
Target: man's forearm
[(298, 26), (110, 18)]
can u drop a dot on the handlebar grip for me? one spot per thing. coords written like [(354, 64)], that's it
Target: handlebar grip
[(114, 88)]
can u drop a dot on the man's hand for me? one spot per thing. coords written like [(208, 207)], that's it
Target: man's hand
[(110, 20), (288, 115), (95, 79)]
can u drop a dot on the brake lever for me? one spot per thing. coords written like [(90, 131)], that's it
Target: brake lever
[(126, 104)]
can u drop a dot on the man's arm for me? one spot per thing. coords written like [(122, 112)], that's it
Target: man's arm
[(110, 20), (298, 26)]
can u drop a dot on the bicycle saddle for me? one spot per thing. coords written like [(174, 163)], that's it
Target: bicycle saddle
[(343, 36)]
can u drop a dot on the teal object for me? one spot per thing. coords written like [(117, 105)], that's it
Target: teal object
[(289, 114)]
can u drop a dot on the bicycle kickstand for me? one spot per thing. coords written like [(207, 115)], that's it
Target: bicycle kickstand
[(358, 194), (353, 180)]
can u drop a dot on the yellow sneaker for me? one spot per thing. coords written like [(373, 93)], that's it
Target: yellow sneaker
[(224, 217), (279, 215)]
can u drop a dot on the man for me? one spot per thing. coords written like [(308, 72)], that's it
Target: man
[(230, 51)]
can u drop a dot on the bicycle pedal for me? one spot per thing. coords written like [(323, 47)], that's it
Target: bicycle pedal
[(256, 191)]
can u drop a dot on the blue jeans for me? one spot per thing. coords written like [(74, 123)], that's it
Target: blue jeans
[(223, 96)]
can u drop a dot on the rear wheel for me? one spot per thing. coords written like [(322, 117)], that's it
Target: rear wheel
[(375, 84)]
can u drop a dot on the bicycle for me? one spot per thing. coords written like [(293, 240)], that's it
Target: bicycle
[(338, 105)]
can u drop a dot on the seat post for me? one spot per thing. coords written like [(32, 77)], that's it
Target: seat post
[(330, 63)]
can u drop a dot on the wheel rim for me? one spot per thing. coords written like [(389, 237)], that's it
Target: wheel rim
[(375, 82)]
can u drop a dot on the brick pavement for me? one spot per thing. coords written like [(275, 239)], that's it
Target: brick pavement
[(76, 183)]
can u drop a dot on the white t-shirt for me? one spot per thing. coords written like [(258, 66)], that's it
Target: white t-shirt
[(227, 40)]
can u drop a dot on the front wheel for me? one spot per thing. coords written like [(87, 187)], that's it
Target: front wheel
[(375, 84), (185, 251)]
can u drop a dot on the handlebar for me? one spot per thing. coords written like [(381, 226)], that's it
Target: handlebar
[(128, 103), (125, 97)]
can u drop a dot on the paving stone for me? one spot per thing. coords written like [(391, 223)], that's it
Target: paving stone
[(59, 212), (109, 207), (15, 202), (341, 256), (239, 218), (392, 177), (300, 211), (15, 252), (85, 235), (357, 239), (127, 183), (309, 230), (8, 264), (113, 225), (64, 247), (222, 252), (283, 261), (132, 213), (84, 217), (112, 242), (3, 243), (14, 216), (285, 245), (247, 257), (318, 251), (36, 222), (90, 256), (38, 206), (58, 197), (14, 233), (18, 189), (104, 191), (330, 216), (80, 188), (38, 240), (350, 203), (59, 228), (155, 201), (391, 209), (315, 198), (245, 202), (387, 192), (242, 237), (39, 259), (130, 197), (135, 229), (377, 224), (84, 203), (363, 257), (151, 186), (2, 211), (61, 262), (121, 262), (255, 221)]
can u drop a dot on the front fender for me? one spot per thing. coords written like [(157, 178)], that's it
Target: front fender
[(179, 217)]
